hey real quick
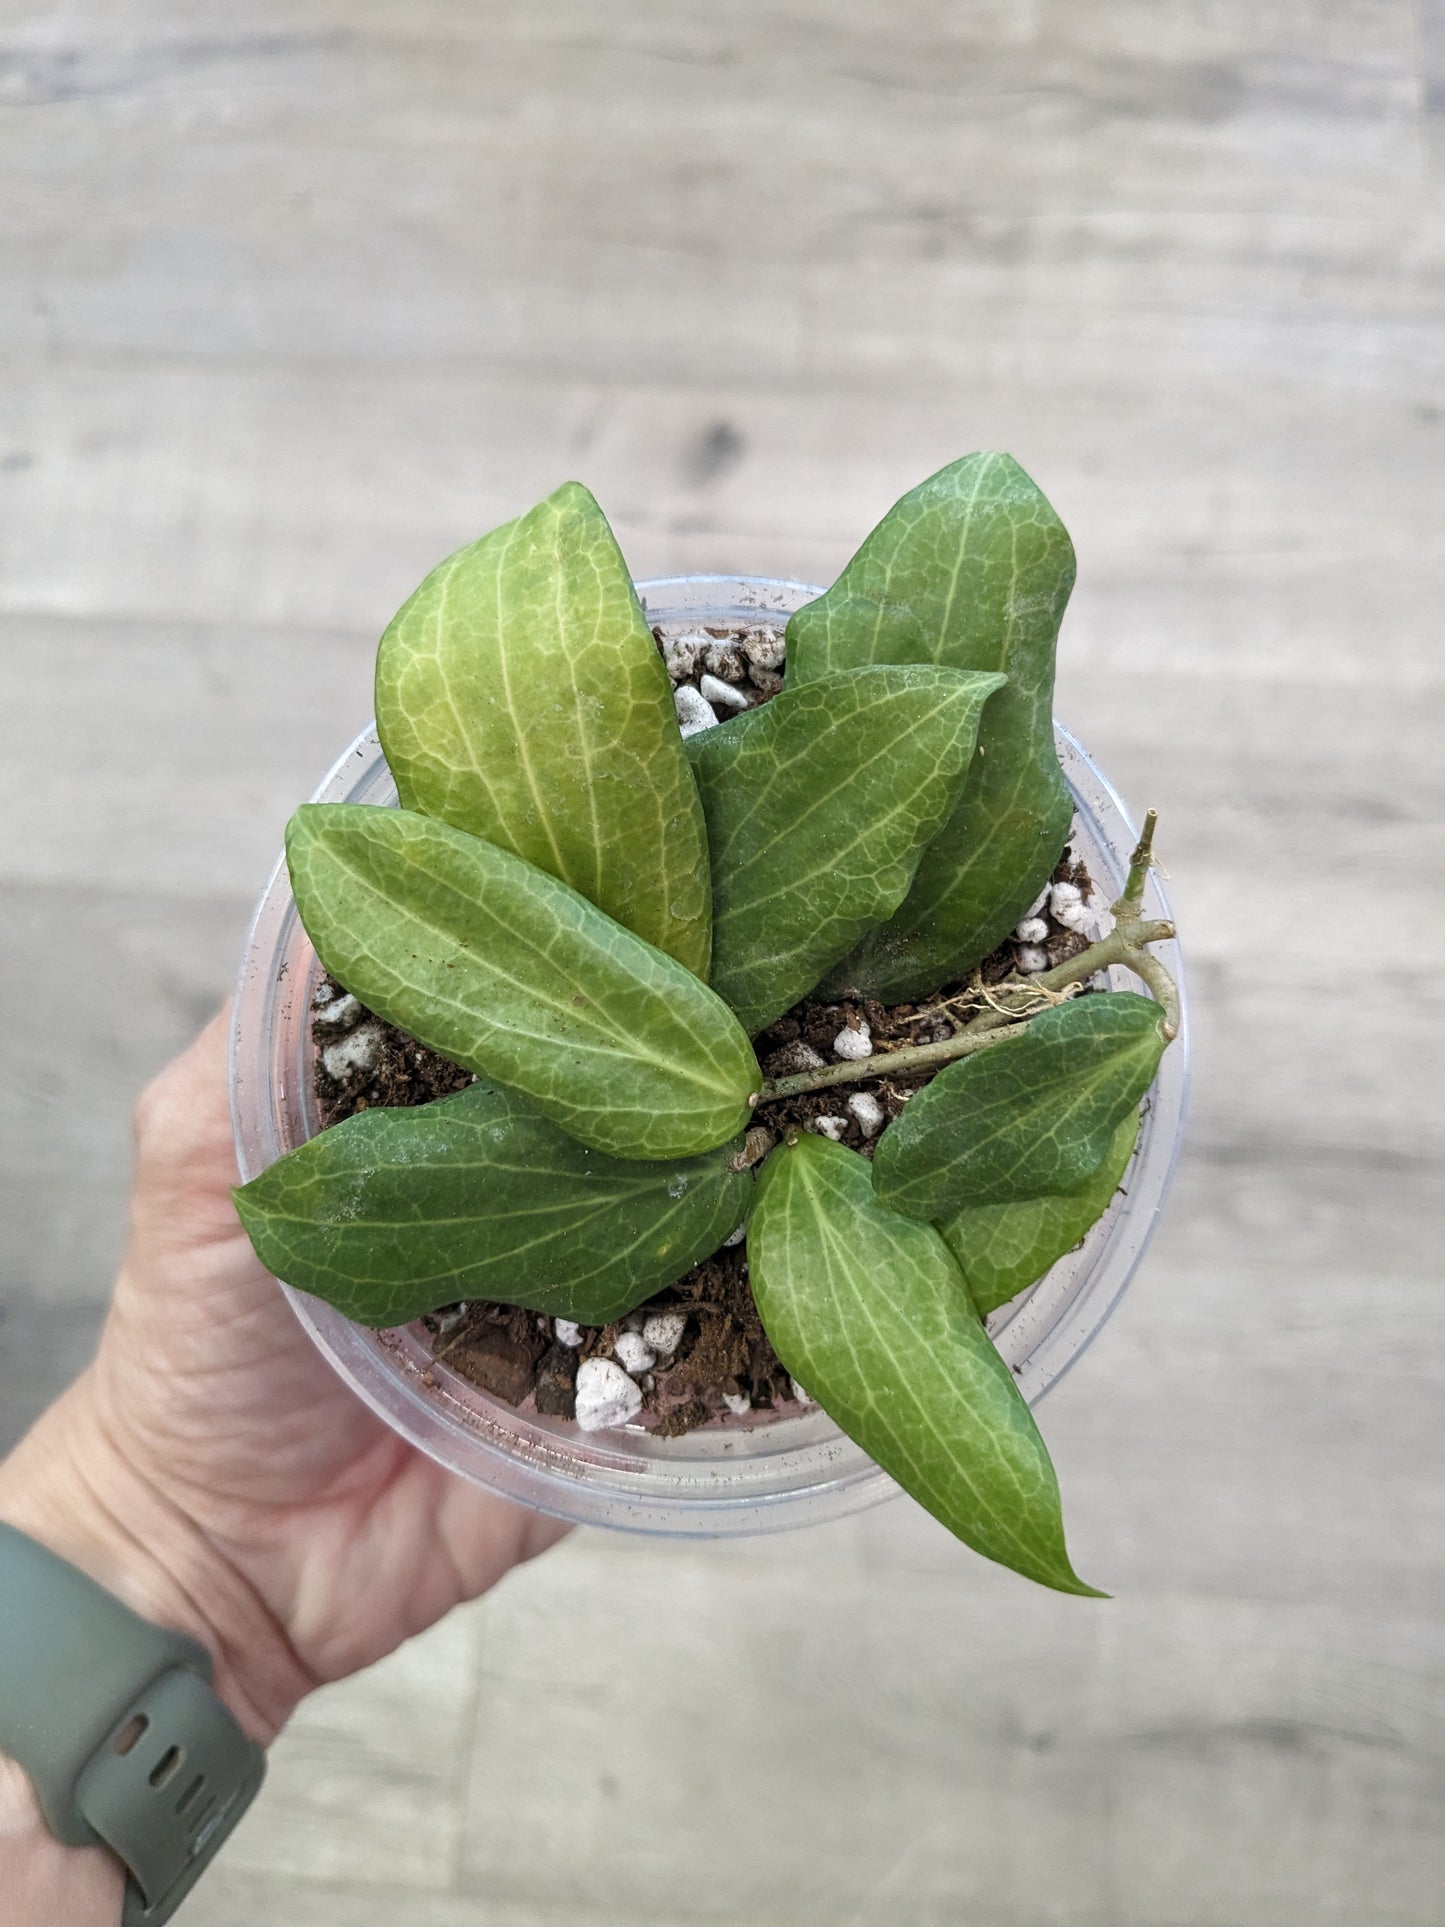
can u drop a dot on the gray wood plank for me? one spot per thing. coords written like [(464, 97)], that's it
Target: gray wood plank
[(227, 1898), (165, 759), (366, 1784), (1170, 166), (316, 499), (300, 297), (230, 1899), (1162, 1761)]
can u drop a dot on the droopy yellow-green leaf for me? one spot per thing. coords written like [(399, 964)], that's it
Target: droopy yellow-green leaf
[(818, 805), (871, 1314), (1032, 1115), (396, 1212), (489, 960), (1002, 1249), (519, 695), (972, 568)]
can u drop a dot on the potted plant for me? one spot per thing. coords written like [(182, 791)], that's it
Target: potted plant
[(639, 875)]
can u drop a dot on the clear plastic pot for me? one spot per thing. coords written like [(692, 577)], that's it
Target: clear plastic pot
[(753, 1476)]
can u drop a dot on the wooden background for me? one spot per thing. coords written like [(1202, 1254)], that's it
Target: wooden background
[(296, 296)]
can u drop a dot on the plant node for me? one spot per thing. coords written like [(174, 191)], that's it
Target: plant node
[(1126, 944), (1140, 863)]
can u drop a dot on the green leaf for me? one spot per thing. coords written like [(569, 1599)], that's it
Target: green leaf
[(396, 1212), (972, 569), (818, 805), (1028, 1117), (502, 968), (868, 1310), (1002, 1249), (519, 695)]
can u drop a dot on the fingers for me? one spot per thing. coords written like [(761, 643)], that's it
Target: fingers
[(185, 1155), (190, 1097)]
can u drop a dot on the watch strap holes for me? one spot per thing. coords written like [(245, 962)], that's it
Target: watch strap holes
[(133, 1731), (167, 1765), (190, 1793)]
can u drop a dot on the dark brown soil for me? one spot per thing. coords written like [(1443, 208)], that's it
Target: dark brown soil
[(396, 1070), (724, 1356)]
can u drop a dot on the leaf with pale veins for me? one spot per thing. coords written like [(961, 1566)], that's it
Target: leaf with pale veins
[(519, 695), (397, 1212), (871, 1314), (497, 965), (971, 569)]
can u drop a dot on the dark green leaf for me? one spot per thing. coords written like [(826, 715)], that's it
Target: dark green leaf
[(496, 964), (1002, 1249), (971, 569), (396, 1212), (818, 805), (870, 1313), (519, 695), (1028, 1117)]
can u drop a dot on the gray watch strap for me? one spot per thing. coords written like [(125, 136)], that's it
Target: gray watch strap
[(117, 1725)]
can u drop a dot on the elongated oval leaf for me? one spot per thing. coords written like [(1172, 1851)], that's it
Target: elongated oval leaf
[(870, 1312), (519, 695), (972, 569), (489, 960), (1031, 1116), (396, 1212), (818, 807), (1002, 1249)]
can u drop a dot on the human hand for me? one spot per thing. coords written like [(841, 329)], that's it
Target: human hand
[(210, 1467)]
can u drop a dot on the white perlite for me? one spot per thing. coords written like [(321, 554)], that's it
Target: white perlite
[(724, 659), (854, 1045), (796, 1057), (736, 1237), (634, 1354), (868, 1111), (338, 1013), (680, 653), (1067, 904), (1031, 959), (1038, 903), (694, 711), (354, 1053), (664, 1330), (714, 690), (832, 1127), (764, 649), (803, 1398), (1032, 930), (737, 1403), (606, 1396), (566, 1333)]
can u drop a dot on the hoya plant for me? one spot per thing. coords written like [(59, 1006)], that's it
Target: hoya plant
[(597, 915)]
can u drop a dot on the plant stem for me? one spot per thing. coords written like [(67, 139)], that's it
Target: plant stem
[(1126, 944), (1123, 945), (912, 1057), (1140, 864)]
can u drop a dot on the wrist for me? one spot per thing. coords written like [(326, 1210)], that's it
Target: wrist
[(43, 1881), (71, 1487)]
